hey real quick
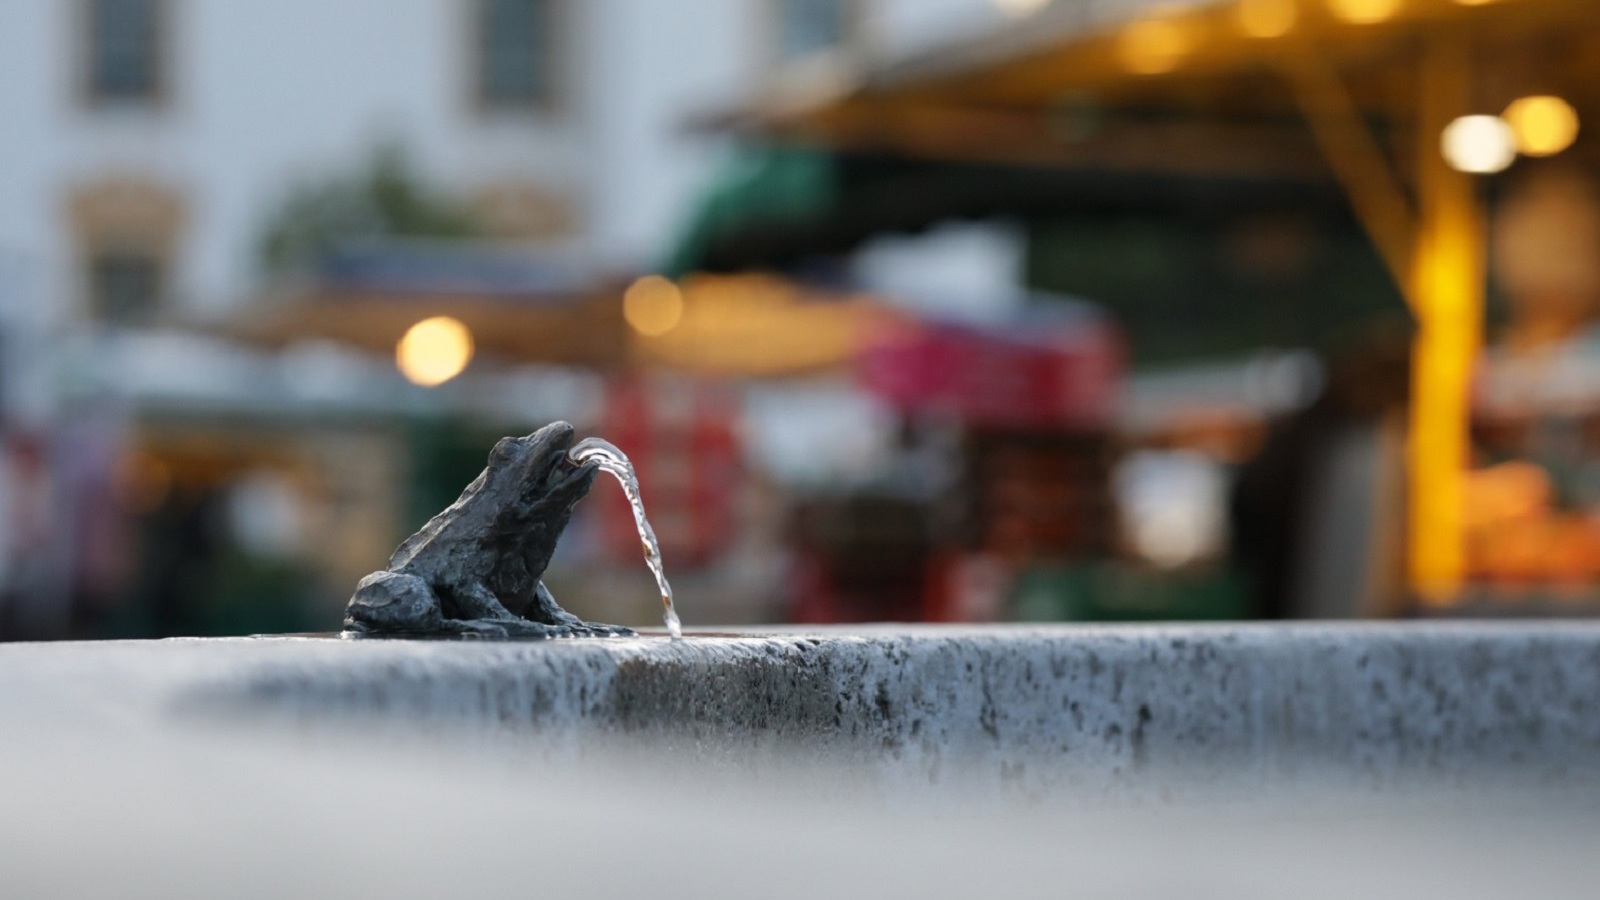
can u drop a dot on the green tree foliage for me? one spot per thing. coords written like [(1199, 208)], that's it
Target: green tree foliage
[(385, 200)]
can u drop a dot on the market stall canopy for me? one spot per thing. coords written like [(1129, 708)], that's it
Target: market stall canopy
[(755, 326), (1212, 90), (523, 309), (1402, 104), (1058, 88), (754, 216), (1058, 367), (518, 307)]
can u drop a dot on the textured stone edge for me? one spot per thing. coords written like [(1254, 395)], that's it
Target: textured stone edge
[(1055, 705)]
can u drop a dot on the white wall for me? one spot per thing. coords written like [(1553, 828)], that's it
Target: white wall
[(266, 93), (902, 26), (654, 64), (27, 118), (263, 94)]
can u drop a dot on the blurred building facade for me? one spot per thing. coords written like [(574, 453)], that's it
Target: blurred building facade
[(152, 143), (152, 137), (540, 155)]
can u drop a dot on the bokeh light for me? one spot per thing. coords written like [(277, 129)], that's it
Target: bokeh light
[(1481, 145), (1364, 12), (434, 351), (1267, 18), (1018, 9), (1543, 125), (1155, 45), (652, 306)]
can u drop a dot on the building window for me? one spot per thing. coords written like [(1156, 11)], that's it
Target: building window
[(514, 58), (127, 230), (124, 286), (806, 27), (124, 50)]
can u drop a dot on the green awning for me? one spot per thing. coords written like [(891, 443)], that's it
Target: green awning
[(763, 187)]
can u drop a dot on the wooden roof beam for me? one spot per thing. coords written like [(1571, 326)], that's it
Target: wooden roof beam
[(1198, 147), (1365, 173)]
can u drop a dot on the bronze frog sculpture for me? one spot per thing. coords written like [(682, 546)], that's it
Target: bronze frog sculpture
[(475, 569)]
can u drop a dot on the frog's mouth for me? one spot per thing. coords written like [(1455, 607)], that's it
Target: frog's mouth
[(553, 468)]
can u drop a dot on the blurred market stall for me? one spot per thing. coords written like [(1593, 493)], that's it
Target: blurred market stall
[(1405, 109)]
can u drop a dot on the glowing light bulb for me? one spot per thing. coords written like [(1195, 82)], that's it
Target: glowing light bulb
[(1481, 145), (1267, 18), (434, 351), (1364, 12), (1154, 45), (652, 306), (1544, 126)]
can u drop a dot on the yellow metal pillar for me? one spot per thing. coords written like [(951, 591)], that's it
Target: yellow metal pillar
[(1447, 288)]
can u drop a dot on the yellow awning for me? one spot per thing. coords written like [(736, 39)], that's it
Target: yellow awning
[(584, 330), (761, 326), (1017, 95)]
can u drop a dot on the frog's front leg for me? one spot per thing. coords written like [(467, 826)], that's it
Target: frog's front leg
[(545, 609)]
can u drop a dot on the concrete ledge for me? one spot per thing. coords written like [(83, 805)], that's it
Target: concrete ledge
[(1034, 705), (1129, 762)]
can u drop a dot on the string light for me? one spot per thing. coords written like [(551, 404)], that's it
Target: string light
[(1020, 9), (1364, 12), (1543, 125), (652, 306), (1267, 18), (1154, 45), (434, 351), (1480, 145)]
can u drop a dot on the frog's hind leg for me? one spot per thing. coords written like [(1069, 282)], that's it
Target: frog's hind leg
[(545, 609), (399, 604), (484, 615), (393, 603)]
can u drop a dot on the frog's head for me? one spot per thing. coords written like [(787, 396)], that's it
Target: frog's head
[(540, 485)]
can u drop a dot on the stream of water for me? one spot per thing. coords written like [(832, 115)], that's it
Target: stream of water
[(612, 460)]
